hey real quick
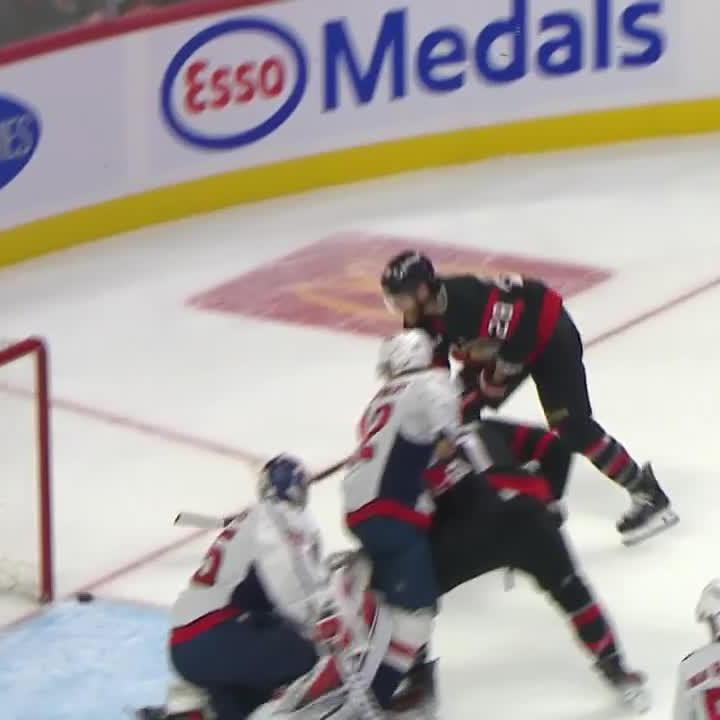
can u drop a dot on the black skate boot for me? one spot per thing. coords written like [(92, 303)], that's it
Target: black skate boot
[(631, 687), (160, 713), (558, 512), (416, 696), (650, 512)]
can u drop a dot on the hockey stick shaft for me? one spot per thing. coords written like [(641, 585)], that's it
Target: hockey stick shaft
[(202, 522), (328, 471), (214, 522)]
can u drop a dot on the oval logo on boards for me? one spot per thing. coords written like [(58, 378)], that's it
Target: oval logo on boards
[(19, 138), (234, 83)]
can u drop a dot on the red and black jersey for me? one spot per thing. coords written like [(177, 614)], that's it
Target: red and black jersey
[(519, 314)]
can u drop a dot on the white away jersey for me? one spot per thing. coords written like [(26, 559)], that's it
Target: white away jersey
[(399, 432), (697, 696), (267, 559)]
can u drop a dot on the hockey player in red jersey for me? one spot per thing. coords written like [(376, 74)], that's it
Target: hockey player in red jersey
[(502, 518), (509, 328)]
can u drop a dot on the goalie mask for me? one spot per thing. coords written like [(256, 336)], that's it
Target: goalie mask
[(284, 478)]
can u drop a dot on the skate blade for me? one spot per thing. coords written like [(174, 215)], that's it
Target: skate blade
[(661, 522), (636, 698)]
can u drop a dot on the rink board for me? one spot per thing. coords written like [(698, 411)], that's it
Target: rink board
[(358, 91)]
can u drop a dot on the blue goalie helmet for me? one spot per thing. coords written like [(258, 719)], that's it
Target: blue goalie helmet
[(284, 478)]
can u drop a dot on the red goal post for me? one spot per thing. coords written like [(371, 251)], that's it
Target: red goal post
[(26, 563)]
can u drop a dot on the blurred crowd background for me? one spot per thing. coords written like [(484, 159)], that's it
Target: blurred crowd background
[(25, 19)]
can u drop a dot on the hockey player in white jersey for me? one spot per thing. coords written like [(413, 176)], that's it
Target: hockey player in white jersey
[(265, 615), (698, 689), (412, 419), (236, 628)]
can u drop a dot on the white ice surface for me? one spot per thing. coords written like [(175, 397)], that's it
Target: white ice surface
[(124, 343)]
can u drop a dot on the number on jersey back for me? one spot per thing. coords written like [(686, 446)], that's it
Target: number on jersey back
[(712, 703), (374, 419), (207, 573)]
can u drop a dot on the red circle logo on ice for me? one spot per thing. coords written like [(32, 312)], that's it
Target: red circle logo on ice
[(234, 83)]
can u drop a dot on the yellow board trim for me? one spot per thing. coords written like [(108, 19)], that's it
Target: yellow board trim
[(354, 164)]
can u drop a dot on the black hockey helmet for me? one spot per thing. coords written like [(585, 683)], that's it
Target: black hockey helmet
[(406, 272)]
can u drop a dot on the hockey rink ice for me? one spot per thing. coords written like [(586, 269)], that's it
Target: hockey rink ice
[(179, 363)]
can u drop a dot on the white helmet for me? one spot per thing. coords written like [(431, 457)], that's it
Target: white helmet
[(708, 607), (406, 351)]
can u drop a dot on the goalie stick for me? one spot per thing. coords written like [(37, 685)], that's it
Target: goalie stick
[(215, 522)]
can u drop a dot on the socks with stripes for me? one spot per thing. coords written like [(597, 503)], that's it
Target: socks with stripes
[(587, 618)]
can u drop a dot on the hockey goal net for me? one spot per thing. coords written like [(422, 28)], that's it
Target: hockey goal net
[(25, 490)]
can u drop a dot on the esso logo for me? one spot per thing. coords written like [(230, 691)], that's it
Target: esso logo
[(234, 83)]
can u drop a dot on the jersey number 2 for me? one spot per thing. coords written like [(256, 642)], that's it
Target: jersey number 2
[(370, 425), (712, 703)]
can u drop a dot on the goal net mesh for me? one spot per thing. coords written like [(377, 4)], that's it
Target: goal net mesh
[(24, 556)]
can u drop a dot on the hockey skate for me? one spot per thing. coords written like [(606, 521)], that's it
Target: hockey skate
[(558, 511), (650, 512), (160, 713), (631, 687), (416, 698)]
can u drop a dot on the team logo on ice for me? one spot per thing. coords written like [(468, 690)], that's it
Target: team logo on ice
[(234, 83), (335, 283), (19, 138)]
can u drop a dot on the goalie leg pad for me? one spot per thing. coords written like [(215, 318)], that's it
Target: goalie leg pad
[(368, 639), (411, 630)]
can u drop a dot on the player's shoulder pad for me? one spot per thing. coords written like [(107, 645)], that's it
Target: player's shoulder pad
[(438, 381), (461, 283), (438, 390)]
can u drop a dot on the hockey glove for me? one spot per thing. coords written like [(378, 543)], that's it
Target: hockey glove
[(491, 389)]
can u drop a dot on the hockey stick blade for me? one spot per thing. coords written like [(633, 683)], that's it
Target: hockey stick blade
[(203, 522)]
